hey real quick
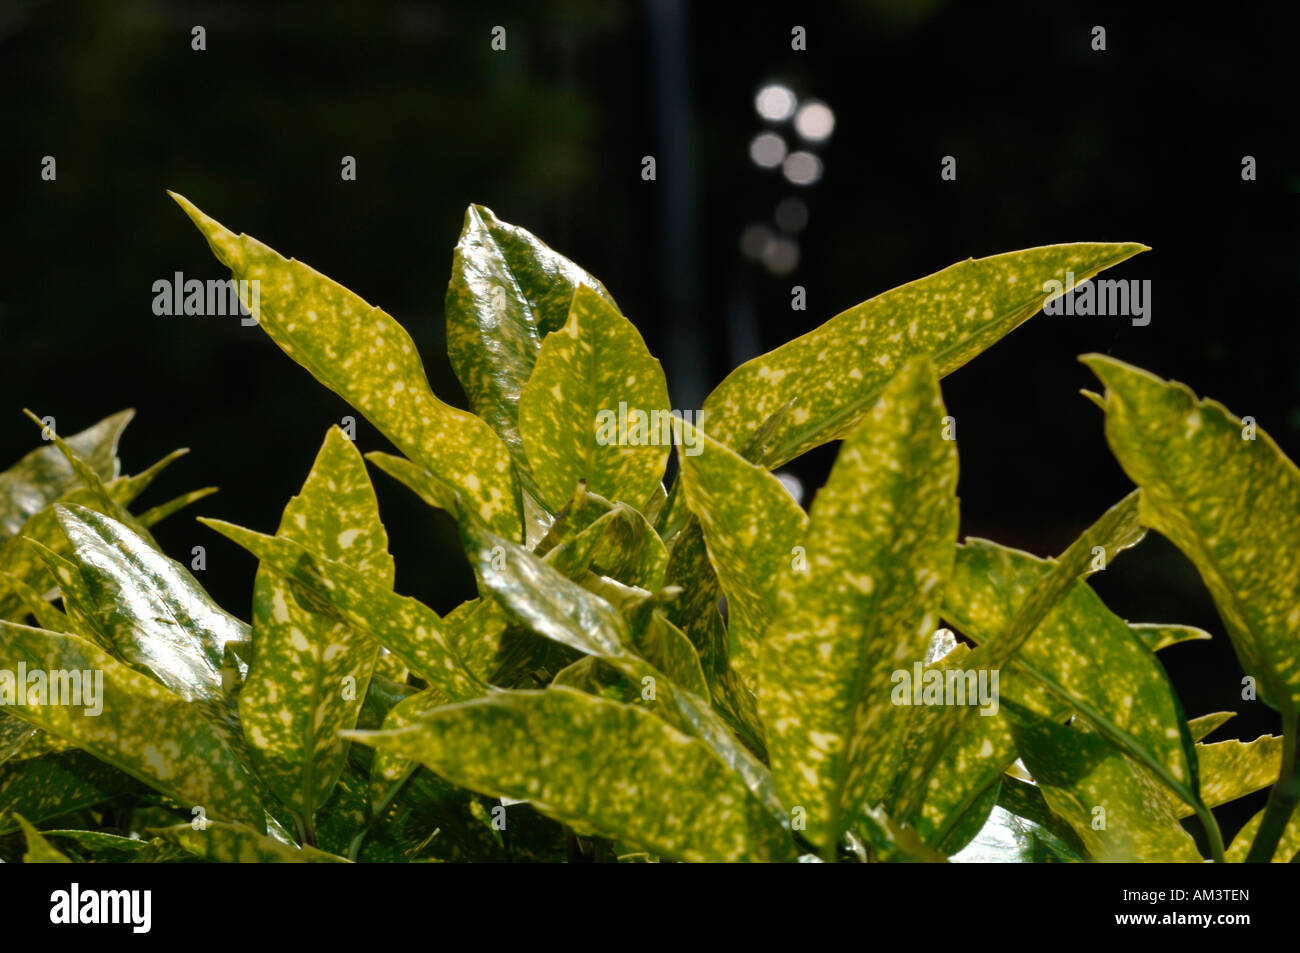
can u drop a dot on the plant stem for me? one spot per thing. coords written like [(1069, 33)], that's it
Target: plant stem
[(1212, 832), (1282, 798)]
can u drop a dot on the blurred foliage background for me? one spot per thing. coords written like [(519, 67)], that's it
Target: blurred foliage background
[(1054, 142)]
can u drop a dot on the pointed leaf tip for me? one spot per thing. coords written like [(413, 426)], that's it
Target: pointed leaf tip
[(223, 242)]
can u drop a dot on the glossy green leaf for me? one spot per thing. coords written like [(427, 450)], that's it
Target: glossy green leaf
[(753, 529), (39, 850), (1081, 658), (834, 373), (57, 784), (1225, 501), (18, 560), (602, 767), (879, 545), (151, 609), (237, 844), (630, 550), (417, 479), (405, 626), (45, 475), (310, 672), (1199, 728), (368, 359), (962, 789), (508, 291), (142, 727), (1118, 529), (1288, 847), (1233, 769), (1156, 635), (1010, 839), (1118, 809), (546, 602), (595, 408)]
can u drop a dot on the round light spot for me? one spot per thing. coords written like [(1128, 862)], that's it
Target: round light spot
[(775, 103), (767, 150), (802, 168), (781, 256), (814, 121)]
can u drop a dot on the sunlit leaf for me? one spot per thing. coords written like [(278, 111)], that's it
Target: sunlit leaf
[(151, 609), (603, 767), (237, 844), (142, 728), (309, 671), (508, 291), (753, 529), (834, 373), (45, 475), (1115, 805), (595, 408), (368, 359), (879, 545), (1224, 494)]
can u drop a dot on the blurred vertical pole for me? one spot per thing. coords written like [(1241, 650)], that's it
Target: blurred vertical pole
[(687, 357)]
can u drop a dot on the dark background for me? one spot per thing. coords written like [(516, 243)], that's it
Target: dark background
[(1054, 142)]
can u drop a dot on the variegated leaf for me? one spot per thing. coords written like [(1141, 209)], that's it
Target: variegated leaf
[(1224, 494), (753, 529), (151, 609), (44, 475), (310, 672), (368, 359), (508, 291), (595, 408), (237, 844), (834, 373), (408, 628), (879, 545), (142, 727), (1114, 804), (605, 768)]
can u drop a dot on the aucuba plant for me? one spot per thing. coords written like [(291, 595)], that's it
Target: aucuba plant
[(697, 671)]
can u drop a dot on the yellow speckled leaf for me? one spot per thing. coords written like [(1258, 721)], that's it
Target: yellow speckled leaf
[(405, 626), (1232, 505), (369, 360), (508, 291), (1118, 809), (879, 544), (309, 671), (237, 844), (141, 728), (835, 372), (579, 412), (608, 768), (752, 527)]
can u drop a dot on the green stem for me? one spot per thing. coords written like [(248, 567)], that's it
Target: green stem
[(1282, 798), (354, 849), (1212, 832)]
